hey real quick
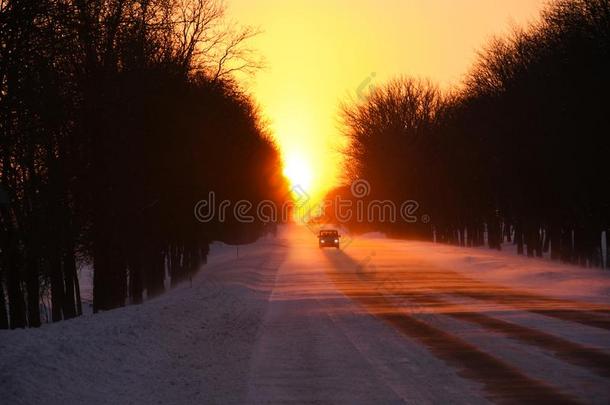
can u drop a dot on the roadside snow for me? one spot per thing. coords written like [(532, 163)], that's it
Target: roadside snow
[(504, 267), (507, 268), (188, 345)]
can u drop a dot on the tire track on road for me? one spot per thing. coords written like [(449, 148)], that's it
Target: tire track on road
[(590, 358), (588, 314), (501, 382)]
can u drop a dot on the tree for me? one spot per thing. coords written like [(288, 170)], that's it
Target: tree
[(114, 120)]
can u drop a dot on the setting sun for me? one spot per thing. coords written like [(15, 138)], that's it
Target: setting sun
[(298, 171)]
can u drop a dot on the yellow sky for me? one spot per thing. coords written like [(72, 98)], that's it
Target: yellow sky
[(319, 53)]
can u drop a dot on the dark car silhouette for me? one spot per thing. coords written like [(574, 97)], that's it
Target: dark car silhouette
[(328, 238)]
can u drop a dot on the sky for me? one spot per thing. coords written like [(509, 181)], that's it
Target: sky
[(321, 53)]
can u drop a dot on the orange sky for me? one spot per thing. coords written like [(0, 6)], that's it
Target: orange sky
[(318, 53)]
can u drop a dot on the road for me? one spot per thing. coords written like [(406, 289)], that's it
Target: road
[(380, 321), (371, 323)]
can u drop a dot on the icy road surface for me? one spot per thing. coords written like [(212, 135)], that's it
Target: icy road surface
[(379, 321)]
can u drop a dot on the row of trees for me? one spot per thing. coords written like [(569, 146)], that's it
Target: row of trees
[(520, 151), (116, 117)]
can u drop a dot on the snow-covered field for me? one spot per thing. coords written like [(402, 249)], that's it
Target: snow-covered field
[(382, 321)]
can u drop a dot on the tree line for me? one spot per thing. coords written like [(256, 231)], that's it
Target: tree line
[(116, 117), (517, 153)]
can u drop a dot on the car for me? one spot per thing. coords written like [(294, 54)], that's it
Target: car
[(328, 238)]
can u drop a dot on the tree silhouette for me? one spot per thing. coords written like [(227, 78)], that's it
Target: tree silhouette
[(518, 153), (116, 117)]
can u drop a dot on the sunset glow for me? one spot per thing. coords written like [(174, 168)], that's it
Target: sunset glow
[(321, 53), (298, 171)]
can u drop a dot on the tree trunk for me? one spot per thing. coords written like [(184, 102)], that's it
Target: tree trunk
[(567, 247), (530, 240), (3, 313), (109, 277), (156, 274), (33, 291), (519, 239), (537, 235), (507, 233), (70, 278), (136, 285), (605, 246), (555, 238), (77, 298), (547, 240), (100, 275), (16, 304), (57, 285)]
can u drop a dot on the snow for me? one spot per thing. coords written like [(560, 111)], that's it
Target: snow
[(373, 235), (506, 268), (189, 345), (283, 321)]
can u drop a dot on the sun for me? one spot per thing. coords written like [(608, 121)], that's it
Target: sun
[(298, 171)]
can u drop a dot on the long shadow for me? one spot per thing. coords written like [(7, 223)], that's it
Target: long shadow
[(595, 317), (593, 359), (501, 381), (588, 314)]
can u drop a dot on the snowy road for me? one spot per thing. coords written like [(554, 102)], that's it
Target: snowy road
[(375, 323), (380, 321)]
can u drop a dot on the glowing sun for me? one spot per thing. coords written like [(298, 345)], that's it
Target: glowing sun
[(298, 171)]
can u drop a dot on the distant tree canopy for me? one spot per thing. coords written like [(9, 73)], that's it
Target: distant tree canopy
[(520, 150), (116, 117)]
